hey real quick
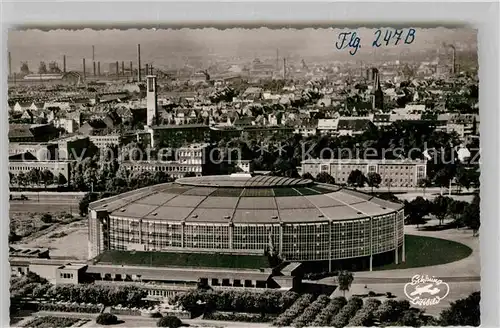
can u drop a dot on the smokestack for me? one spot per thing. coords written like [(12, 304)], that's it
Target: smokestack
[(10, 65), (123, 68), (284, 68), (84, 69), (147, 70), (277, 59), (131, 69), (93, 64), (98, 68), (117, 69), (138, 63), (64, 63), (93, 53), (453, 69)]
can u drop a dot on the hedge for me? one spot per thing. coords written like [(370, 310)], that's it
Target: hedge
[(311, 311), (348, 311), (239, 316), (272, 302), (324, 317), (286, 318), (55, 307), (365, 317)]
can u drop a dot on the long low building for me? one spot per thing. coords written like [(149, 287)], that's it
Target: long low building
[(245, 214), (394, 173), (56, 167)]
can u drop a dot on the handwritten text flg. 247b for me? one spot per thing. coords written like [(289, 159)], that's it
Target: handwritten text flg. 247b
[(382, 37)]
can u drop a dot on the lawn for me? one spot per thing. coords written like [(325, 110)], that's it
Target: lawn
[(164, 259), (425, 251), (50, 322)]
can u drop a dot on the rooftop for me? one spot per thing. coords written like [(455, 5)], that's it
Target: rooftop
[(244, 199)]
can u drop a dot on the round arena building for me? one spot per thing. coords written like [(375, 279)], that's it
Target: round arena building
[(243, 214)]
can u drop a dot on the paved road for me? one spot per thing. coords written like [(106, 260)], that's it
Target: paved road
[(46, 202)]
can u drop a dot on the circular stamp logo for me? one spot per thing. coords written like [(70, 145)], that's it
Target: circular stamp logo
[(425, 291)]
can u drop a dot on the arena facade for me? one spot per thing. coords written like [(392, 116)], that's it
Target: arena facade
[(244, 214)]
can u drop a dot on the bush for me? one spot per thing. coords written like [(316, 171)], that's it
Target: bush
[(286, 318), (170, 322), (106, 319), (390, 311), (47, 218), (365, 317), (324, 317), (348, 311), (311, 311)]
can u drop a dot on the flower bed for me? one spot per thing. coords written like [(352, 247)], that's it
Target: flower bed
[(50, 322), (125, 311), (239, 316), (286, 318), (69, 307)]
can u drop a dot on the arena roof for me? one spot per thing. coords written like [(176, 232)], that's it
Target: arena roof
[(244, 199)]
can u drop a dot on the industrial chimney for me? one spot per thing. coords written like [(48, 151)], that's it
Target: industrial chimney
[(146, 71), (117, 69), (10, 65), (284, 68), (64, 63), (123, 68), (98, 68), (131, 69), (138, 63), (93, 64), (84, 69)]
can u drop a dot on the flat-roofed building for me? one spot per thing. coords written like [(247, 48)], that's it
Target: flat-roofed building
[(56, 167), (394, 173), (190, 159)]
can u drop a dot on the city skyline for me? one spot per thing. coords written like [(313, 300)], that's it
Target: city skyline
[(170, 47)]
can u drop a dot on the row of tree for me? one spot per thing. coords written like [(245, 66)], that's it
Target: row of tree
[(37, 177), (461, 214)]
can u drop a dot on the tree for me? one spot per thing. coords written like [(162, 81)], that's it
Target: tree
[(22, 179), (440, 208), (34, 176), (424, 183), (60, 180), (471, 215), (85, 201), (416, 210), (374, 180), (46, 177), (106, 319), (356, 178), (307, 175), (464, 312), (345, 279), (189, 174), (169, 321), (24, 68), (12, 178), (324, 177)]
